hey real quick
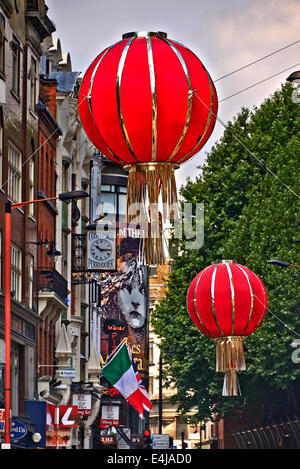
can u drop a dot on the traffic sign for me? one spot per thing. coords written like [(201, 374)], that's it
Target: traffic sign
[(160, 441)]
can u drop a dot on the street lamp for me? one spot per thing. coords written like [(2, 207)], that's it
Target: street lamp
[(9, 206), (281, 263), (294, 79)]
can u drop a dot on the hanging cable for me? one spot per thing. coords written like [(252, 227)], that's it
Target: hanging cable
[(258, 83), (29, 158), (256, 61), (218, 79), (247, 149), (278, 319)]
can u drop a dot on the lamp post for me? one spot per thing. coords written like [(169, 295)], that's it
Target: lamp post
[(281, 263), (294, 79), (9, 206)]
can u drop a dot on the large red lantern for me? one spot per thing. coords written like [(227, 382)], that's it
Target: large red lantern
[(138, 106), (227, 302)]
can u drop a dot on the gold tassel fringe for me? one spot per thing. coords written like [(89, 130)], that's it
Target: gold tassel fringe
[(152, 200), (230, 359), (231, 384)]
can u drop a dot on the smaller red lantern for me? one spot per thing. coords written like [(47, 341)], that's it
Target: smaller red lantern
[(227, 302)]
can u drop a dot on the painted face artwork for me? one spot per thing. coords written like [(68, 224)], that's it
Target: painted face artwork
[(132, 296)]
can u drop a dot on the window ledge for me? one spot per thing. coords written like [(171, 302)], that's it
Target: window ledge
[(32, 113), (15, 96)]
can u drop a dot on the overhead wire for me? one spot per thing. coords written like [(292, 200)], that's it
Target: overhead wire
[(258, 83), (29, 158), (257, 60), (218, 79), (174, 286), (263, 165), (244, 146)]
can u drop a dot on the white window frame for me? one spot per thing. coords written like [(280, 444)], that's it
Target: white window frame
[(16, 66), (14, 189), (1, 156), (30, 280), (2, 45), (16, 272), (31, 166), (33, 83), (0, 259)]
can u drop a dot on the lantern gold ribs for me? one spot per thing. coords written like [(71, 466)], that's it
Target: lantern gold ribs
[(137, 106)]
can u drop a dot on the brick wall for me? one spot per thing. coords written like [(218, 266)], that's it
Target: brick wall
[(48, 94)]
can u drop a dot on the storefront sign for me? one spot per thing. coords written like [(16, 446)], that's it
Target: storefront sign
[(36, 412), (110, 391), (108, 439), (18, 430), (2, 419), (83, 403), (109, 416), (68, 416)]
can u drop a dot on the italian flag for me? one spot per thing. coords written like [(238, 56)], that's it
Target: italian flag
[(120, 373)]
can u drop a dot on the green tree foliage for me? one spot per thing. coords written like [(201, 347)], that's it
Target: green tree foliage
[(251, 217)]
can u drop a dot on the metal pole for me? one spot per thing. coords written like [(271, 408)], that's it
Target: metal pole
[(160, 396), (7, 289)]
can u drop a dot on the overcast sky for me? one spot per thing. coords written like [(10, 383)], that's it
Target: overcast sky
[(225, 35)]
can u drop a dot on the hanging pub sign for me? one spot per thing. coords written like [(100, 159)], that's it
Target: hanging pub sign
[(101, 250)]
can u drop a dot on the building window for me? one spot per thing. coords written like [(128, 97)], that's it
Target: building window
[(109, 203), (16, 272), (65, 255), (151, 386), (151, 356), (30, 281), (0, 259), (33, 83), (16, 59), (114, 201), (14, 174), (2, 45), (31, 187), (1, 154)]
